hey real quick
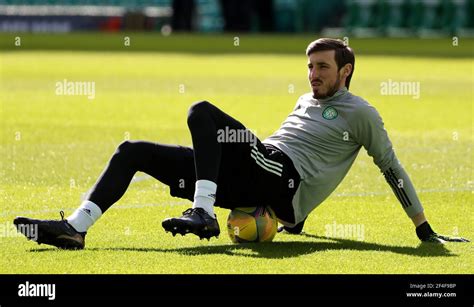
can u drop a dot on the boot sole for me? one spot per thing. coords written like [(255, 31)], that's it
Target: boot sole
[(176, 226)]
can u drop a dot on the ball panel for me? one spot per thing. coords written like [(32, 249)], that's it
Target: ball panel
[(242, 226), (252, 224), (267, 225)]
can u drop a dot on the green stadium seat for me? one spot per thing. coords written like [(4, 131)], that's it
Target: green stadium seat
[(426, 18), (361, 17), (394, 18), (209, 18), (456, 16), (288, 15)]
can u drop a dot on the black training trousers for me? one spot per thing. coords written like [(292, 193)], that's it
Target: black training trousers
[(248, 173)]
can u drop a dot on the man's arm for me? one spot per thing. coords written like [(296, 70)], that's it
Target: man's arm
[(369, 131)]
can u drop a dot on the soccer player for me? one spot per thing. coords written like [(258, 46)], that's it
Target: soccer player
[(292, 171)]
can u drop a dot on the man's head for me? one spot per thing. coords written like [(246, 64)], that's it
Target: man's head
[(330, 66)]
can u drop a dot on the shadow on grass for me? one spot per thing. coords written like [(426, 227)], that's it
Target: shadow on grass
[(288, 249)]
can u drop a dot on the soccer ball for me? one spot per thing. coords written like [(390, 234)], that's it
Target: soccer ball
[(252, 224)]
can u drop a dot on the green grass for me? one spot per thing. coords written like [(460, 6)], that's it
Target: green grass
[(231, 44), (53, 148)]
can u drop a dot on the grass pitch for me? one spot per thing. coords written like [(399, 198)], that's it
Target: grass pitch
[(54, 147)]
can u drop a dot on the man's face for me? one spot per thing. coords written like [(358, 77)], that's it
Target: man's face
[(323, 74)]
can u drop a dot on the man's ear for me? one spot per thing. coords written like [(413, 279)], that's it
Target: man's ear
[(346, 70)]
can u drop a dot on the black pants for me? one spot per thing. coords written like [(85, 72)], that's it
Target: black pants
[(248, 173)]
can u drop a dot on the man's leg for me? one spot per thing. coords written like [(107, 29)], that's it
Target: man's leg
[(172, 165), (167, 163), (205, 123)]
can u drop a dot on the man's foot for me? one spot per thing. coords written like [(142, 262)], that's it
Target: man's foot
[(194, 220), (51, 232)]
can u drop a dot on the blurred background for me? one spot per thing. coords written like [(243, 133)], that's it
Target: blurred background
[(357, 18)]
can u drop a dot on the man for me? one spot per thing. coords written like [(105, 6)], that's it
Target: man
[(292, 171)]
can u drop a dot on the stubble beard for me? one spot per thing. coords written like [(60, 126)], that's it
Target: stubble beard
[(331, 91)]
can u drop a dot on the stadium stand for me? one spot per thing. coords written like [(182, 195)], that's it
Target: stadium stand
[(360, 18)]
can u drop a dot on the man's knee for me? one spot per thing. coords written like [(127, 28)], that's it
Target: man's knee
[(197, 110), (125, 149)]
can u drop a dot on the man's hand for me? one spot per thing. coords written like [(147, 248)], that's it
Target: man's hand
[(293, 230), (441, 239), (426, 234)]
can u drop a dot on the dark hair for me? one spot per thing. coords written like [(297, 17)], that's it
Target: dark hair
[(343, 54)]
